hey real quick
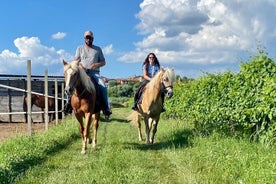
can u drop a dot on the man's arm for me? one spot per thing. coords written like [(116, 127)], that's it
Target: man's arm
[(97, 65)]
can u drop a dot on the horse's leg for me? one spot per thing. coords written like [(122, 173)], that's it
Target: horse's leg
[(25, 109), (146, 120), (95, 128), (139, 127), (81, 129), (52, 116), (150, 123), (26, 112), (86, 132), (32, 111), (154, 130), (43, 119)]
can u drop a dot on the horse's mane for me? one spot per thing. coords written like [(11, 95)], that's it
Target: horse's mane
[(169, 72), (84, 78), (155, 80)]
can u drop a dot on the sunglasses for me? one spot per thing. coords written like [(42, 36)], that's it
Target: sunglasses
[(88, 37), (151, 57)]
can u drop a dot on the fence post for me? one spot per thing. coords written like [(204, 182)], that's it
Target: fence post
[(46, 110), (62, 100), (9, 103), (29, 89), (56, 100)]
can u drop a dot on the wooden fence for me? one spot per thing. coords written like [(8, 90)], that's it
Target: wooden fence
[(13, 88)]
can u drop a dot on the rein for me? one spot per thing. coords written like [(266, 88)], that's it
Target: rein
[(79, 95)]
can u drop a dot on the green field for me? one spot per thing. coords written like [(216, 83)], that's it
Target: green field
[(177, 156)]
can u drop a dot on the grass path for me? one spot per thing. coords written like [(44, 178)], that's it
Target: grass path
[(177, 157), (118, 158)]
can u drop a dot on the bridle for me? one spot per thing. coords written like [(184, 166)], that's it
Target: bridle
[(168, 90), (70, 88), (75, 76)]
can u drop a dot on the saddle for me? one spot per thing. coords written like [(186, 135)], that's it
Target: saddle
[(140, 94)]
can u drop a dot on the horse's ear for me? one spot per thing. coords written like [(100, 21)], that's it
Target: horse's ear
[(64, 62)]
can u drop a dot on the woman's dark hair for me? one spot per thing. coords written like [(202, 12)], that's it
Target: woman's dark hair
[(146, 62)]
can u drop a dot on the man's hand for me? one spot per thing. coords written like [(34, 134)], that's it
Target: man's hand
[(94, 66)]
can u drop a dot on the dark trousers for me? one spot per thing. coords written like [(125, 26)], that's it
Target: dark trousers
[(139, 92)]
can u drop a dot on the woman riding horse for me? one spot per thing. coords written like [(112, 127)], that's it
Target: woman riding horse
[(152, 104), (151, 66)]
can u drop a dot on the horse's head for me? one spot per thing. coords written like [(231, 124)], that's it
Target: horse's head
[(168, 79), (70, 75)]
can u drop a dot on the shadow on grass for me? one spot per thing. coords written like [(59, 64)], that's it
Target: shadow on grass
[(179, 139), (117, 105), (119, 120), (114, 119)]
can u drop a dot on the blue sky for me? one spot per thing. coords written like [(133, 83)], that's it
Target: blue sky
[(192, 36)]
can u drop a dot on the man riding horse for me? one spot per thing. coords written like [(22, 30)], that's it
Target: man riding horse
[(91, 58)]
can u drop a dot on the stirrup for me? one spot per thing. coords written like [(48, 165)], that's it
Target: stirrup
[(107, 112)]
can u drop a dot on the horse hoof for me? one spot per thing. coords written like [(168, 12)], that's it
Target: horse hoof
[(93, 144), (83, 152)]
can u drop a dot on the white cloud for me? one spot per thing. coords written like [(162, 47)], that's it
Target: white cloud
[(30, 48), (58, 35), (108, 49), (213, 32)]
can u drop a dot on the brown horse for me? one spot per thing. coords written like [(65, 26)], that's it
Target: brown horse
[(151, 106), (39, 101), (83, 101)]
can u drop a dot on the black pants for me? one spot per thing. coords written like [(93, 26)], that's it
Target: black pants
[(140, 91)]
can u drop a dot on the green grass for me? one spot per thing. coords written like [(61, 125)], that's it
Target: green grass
[(176, 157)]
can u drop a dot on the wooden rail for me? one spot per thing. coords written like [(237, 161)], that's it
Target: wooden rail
[(29, 92)]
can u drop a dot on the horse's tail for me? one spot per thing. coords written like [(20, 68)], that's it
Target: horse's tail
[(25, 107), (134, 117)]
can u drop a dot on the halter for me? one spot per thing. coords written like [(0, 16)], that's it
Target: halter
[(168, 88), (165, 88), (71, 87)]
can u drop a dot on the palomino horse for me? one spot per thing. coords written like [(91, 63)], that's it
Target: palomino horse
[(39, 101), (83, 101), (151, 106)]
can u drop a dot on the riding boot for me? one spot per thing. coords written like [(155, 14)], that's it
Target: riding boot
[(134, 107), (106, 109)]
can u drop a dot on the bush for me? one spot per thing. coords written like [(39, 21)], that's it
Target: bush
[(234, 104)]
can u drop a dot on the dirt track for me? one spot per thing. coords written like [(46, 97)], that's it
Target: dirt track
[(9, 130)]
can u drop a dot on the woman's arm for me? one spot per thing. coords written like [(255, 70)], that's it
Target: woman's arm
[(145, 75)]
